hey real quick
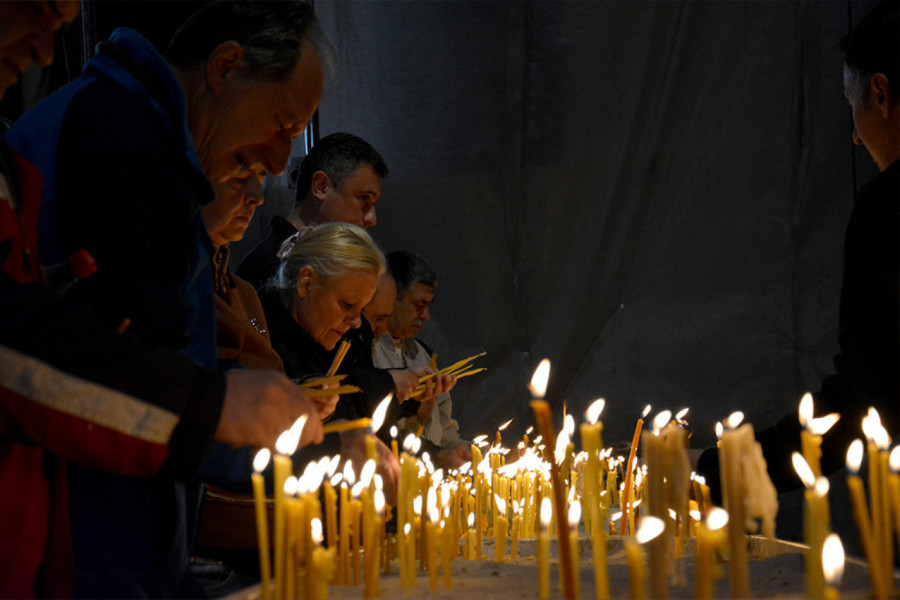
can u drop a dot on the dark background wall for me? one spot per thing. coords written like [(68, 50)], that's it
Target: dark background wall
[(651, 194)]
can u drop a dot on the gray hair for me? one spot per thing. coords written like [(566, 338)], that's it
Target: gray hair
[(271, 34), (409, 268), (332, 250)]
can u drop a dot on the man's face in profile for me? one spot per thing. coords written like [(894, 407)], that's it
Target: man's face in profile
[(411, 311)]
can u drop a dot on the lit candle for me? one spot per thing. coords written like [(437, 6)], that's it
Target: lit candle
[(592, 443), (648, 529), (815, 525), (371, 583), (448, 540), (262, 527), (574, 518), (710, 539), (878, 443), (733, 443), (500, 528), (832, 565), (541, 410), (516, 528), (544, 550), (431, 524), (861, 515), (285, 446), (321, 563), (394, 446), (632, 453), (812, 432), (331, 520), (659, 550), (894, 487), (470, 537)]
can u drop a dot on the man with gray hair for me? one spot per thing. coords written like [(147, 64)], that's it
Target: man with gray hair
[(127, 152), (398, 348)]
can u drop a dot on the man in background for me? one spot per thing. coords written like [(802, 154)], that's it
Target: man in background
[(867, 369), (415, 281)]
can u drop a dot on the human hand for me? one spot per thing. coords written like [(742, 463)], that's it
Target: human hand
[(325, 405), (454, 457), (261, 405), (353, 449), (437, 385), (405, 383), (426, 408)]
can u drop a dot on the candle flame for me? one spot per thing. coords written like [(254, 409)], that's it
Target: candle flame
[(803, 471), (333, 465), (615, 516), (529, 430), (594, 410), (357, 489), (717, 518), (349, 474), (833, 559), (336, 480), (290, 485), (505, 425), (695, 515), (380, 412), (821, 425), (734, 420), (700, 479), (501, 505), (261, 460), (574, 514), (546, 512), (894, 460), (569, 424), (680, 414), (720, 429), (646, 412), (409, 442), (406, 529), (661, 420), (805, 411), (648, 529), (315, 529), (368, 471), (379, 502), (855, 456), (394, 432), (471, 520), (288, 441), (822, 487), (562, 442), (538, 385)]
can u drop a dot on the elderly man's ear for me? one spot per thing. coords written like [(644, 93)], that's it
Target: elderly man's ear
[(223, 62)]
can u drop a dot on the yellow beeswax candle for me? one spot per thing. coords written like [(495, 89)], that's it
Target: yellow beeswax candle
[(544, 550), (710, 540), (260, 461), (500, 528)]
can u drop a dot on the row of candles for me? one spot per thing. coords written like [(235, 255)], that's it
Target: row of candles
[(444, 516)]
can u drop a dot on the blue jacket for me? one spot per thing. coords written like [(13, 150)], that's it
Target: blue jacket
[(122, 180)]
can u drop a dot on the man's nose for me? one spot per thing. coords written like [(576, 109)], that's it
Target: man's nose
[(370, 218), (355, 320), (276, 152), (425, 315), (253, 192)]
